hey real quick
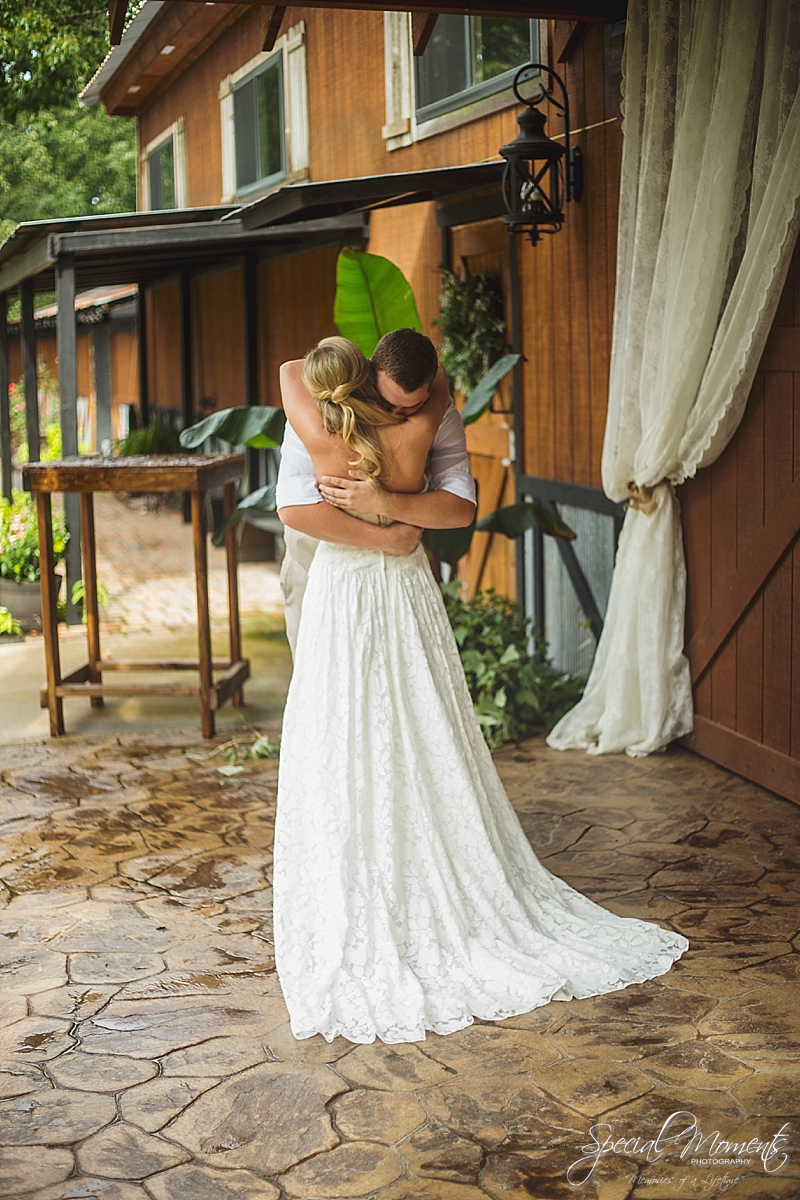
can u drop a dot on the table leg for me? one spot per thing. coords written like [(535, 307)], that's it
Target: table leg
[(231, 551), (90, 605), (203, 616), (49, 613)]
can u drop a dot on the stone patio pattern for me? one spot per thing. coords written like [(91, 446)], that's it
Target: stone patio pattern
[(144, 1044)]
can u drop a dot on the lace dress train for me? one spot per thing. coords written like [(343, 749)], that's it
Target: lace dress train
[(407, 897)]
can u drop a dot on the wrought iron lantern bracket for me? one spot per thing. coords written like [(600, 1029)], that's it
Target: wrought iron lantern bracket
[(541, 175)]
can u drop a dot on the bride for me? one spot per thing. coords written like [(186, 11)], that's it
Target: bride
[(407, 897)]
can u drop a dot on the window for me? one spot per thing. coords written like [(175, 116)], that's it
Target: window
[(161, 175), (469, 58), (263, 108), (259, 127)]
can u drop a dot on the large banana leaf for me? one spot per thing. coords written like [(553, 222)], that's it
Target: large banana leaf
[(449, 545), (373, 297), (255, 425), (514, 520), (261, 500), (481, 398)]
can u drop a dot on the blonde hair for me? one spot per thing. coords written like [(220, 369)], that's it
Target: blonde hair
[(339, 377)]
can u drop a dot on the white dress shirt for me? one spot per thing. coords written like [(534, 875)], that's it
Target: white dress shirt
[(448, 465)]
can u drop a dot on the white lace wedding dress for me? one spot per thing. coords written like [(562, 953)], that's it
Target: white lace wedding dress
[(407, 896)]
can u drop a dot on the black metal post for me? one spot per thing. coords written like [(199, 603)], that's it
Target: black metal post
[(516, 407), (66, 339), (5, 409), (141, 333), (28, 340), (187, 370), (187, 358), (101, 338), (538, 580), (251, 358)]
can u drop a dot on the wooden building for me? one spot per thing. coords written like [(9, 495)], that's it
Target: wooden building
[(193, 78), (269, 116)]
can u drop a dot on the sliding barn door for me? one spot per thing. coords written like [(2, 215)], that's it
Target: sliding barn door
[(741, 521), (490, 563)]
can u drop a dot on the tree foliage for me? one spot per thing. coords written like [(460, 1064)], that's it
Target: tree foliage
[(48, 52), (57, 159), (65, 163)]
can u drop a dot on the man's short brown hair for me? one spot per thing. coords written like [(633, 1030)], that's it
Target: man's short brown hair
[(408, 358)]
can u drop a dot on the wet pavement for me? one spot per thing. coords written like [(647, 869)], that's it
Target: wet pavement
[(144, 1047)]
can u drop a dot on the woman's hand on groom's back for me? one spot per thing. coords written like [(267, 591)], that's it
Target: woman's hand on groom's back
[(401, 539)]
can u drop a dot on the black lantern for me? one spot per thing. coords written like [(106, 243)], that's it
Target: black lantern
[(540, 174)]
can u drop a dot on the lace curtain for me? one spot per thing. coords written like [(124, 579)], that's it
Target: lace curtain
[(708, 220)]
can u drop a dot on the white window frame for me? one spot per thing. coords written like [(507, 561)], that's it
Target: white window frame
[(295, 107), (176, 131), (402, 127)]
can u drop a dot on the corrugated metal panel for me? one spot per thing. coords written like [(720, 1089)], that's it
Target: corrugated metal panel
[(570, 641)]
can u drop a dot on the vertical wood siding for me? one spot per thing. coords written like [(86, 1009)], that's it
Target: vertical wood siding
[(124, 368), (567, 286), (163, 315), (218, 338), (295, 311), (409, 237), (748, 699)]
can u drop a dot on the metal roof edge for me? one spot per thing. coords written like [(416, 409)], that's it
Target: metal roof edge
[(91, 94)]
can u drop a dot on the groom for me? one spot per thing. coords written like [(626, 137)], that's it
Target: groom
[(407, 373)]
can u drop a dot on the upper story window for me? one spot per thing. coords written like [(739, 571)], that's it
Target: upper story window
[(470, 58), (161, 175), (259, 127), (264, 115)]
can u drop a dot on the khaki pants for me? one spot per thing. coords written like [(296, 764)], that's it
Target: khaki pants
[(300, 551)]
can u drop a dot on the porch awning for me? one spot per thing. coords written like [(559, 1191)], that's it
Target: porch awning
[(144, 247), (335, 197)]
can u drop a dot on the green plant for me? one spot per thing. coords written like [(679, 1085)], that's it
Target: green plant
[(157, 438), (260, 427), (241, 749), (473, 322), (47, 392), (9, 624), (514, 686), (52, 442), (19, 539), (78, 597), (373, 297)]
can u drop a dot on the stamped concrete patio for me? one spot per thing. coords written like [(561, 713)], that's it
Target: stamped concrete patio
[(144, 1044)]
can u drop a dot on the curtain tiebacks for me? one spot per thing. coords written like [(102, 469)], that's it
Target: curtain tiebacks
[(641, 497)]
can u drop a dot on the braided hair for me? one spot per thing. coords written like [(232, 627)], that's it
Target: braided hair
[(340, 379)]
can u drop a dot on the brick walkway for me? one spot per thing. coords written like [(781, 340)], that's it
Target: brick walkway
[(145, 560), (144, 1046)]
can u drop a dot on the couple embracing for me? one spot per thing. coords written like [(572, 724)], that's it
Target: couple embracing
[(407, 897)]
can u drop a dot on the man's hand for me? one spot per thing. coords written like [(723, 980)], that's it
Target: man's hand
[(358, 494), (402, 539)]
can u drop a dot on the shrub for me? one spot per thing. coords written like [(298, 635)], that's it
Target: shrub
[(473, 324), (19, 539), (514, 686), (157, 438)]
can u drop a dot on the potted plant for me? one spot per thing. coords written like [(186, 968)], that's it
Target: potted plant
[(20, 591)]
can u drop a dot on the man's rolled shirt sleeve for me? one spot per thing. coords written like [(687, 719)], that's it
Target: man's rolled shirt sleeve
[(297, 483), (448, 465)]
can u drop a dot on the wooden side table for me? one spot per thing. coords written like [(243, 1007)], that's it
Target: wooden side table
[(195, 474)]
